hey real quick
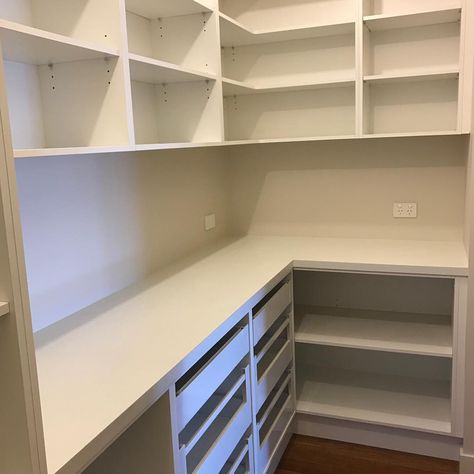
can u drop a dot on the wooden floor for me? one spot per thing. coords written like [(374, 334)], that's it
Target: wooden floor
[(306, 455)]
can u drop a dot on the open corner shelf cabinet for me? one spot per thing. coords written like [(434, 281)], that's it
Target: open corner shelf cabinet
[(127, 75)]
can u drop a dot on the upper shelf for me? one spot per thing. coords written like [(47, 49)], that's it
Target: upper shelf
[(429, 17), (154, 71), (4, 308), (234, 33), (232, 87), (165, 8), (412, 76), (29, 45)]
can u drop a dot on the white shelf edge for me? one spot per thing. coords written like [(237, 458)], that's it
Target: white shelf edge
[(249, 88), (85, 150), (172, 67), (450, 14), (4, 308), (412, 76), (56, 38)]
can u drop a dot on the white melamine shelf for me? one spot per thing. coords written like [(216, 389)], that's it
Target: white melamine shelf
[(4, 308), (232, 87), (424, 18), (401, 402), (154, 71), (234, 33), (29, 45), (147, 348), (165, 8), (422, 334), (80, 150), (412, 76)]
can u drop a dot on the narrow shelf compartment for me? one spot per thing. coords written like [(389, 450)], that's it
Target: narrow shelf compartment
[(395, 390), (231, 87), (188, 40), (67, 104), (408, 20), (165, 8), (423, 334), (29, 45), (234, 33), (4, 308), (173, 104)]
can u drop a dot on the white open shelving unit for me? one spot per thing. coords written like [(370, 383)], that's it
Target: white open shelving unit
[(160, 75), (409, 322)]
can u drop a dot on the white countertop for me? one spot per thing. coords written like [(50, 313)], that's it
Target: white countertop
[(104, 363)]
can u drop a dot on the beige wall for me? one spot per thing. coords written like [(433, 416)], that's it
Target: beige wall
[(94, 224), (347, 188)]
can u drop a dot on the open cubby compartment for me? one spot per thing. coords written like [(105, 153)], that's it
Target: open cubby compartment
[(395, 390), (375, 312), (407, 7), (313, 60), (146, 446), (423, 104), (177, 112), (187, 40), (67, 104), (312, 112), (95, 21), (423, 49), (268, 15)]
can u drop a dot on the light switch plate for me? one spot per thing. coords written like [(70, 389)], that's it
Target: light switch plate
[(209, 222), (405, 210)]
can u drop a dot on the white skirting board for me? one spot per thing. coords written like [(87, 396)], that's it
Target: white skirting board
[(445, 447), (467, 463)]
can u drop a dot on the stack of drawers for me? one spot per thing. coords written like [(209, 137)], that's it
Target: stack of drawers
[(273, 371)]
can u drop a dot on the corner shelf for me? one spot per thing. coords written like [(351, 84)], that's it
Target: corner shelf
[(28, 45), (422, 334), (424, 18), (232, 87), (4, 308), (165, 8), (401, 402), (234, 33), (154, 71)]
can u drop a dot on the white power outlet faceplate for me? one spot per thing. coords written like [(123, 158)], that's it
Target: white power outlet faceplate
[(405, 210), (209, 222)]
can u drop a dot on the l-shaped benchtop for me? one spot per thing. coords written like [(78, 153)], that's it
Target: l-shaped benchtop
[(102, 367)]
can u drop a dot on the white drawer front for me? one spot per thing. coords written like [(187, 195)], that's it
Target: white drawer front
[(274, 372), (210, 377), (271, 311), (269, 444), (226, 443)]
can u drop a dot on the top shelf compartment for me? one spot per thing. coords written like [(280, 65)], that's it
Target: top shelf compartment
[(29, 45), (424, 18), (166, 8), (94, 21), (262, 17), (234, 33)]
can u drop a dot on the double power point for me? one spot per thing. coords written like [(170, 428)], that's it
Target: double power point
[(405, 210)]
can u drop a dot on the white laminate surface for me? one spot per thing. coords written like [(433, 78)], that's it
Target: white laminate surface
[(96, 366)]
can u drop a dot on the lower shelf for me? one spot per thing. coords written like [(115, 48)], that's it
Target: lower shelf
[(402, 402)]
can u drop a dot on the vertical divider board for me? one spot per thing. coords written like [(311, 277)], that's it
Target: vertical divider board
[(21, 437), (359, 67)]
